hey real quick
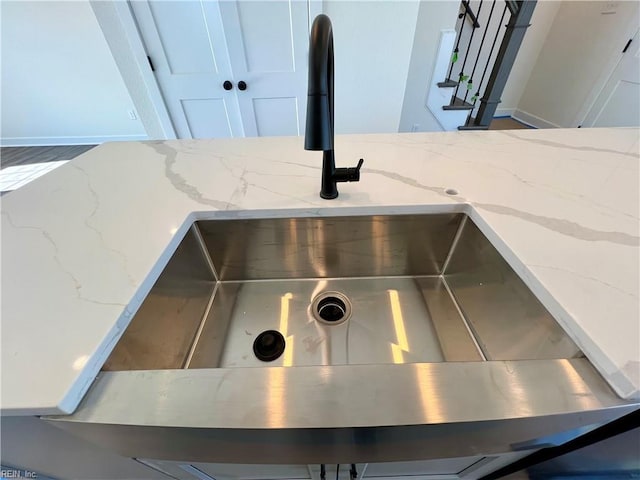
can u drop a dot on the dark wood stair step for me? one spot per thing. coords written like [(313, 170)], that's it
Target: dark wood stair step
[(470, 126), (458, 104), (448, 83)]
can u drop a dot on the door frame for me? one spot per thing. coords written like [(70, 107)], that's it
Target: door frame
[(118, 24), (120, 30)]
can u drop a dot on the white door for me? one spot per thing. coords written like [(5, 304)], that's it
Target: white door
[(268, 44), (185, 42), (197, 45), (618, 105)]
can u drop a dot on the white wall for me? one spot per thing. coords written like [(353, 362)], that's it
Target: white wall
[(433, 17), (60, 84), (579, 53), (541, 22), (373, 42), (121, 32)]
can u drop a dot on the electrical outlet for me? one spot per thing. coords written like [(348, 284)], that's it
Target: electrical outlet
[(132, 115), (610, 8)]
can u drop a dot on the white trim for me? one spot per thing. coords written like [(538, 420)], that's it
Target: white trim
[(504, 112), (533, 120), (120, 30), (125, 14), (48, 141)]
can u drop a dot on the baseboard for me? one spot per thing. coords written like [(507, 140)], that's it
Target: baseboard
[(504, 112), (52, 141), (532, 120)]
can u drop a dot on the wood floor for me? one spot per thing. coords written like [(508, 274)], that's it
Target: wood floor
[(507, 123), (11, 156)]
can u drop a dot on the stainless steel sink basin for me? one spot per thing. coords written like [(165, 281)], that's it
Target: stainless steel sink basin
[(409, 288), (406, 337)]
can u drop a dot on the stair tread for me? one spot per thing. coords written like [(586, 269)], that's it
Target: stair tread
[(458, 104), (473, 127), (448, 83)]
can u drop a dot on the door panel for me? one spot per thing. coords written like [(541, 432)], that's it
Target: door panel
[(622, 108), (267, 44), (190, 50), (276, 116), (254, 472), (207, 118), (618, 105), (228, 471), (450, 466)]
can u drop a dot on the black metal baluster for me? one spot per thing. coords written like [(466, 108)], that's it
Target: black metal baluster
[(486, 66), (466, 56), (484, 35), (472, 17), (456, 50)]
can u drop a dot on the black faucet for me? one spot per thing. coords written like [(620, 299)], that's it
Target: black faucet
[(319, 131)]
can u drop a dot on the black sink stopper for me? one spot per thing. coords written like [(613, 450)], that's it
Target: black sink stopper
[(269, 345)]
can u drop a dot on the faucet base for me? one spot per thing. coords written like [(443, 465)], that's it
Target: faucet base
[(328, 187), (329, 196)]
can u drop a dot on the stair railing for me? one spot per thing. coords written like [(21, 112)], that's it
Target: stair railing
[(520, 12), (469, 11)]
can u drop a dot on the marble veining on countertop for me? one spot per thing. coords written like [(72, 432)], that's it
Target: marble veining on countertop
[(83, 245)]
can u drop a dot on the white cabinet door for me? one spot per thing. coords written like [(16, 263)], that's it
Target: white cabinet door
[(228, 471), (435, 469), (197, 45), (446, 468), (253, 472)]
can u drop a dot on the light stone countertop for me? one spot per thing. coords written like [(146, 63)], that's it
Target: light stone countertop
[(82, 246)]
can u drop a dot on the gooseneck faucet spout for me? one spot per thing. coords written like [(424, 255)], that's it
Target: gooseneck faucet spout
[(320, 113)]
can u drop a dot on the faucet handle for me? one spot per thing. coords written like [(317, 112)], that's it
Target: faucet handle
[(351, 174), (354, 173)]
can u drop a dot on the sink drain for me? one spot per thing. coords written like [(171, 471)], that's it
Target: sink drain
[(331, 308), (269, 345)]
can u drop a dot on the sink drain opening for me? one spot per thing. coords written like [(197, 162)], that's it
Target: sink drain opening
[(331, 308), (269, 345)]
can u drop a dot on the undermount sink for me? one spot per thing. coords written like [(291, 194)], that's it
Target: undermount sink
[(342, 290)]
